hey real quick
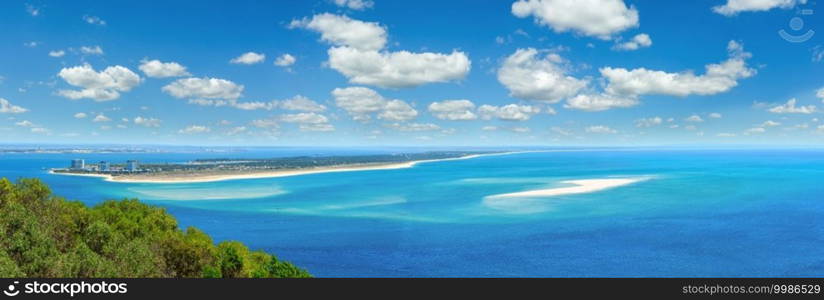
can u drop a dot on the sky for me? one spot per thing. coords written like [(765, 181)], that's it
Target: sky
[(412, 73)]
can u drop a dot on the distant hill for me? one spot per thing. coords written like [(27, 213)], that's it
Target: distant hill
[(42, 235)]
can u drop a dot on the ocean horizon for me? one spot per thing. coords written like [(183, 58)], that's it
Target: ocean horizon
[(678, 213)]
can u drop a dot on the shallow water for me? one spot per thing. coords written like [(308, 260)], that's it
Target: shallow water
[(701, 213)]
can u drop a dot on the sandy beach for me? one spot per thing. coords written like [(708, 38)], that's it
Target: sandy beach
[(581, 186), (228, 175)]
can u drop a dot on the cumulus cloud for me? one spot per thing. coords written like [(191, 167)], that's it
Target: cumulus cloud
[(204, 88), (790, 108), (600, 129), (648, 122), (414, 126), (80, 115), (354, 4), (24, 123), (597, 18), (715, 115), (733, 7), (637, 42), (694, 118), (100, 86), (248, 58), (57, 53), (453, 110), (344, 31), (770, 123), (528, 76), (358, 53), (91, 50), (285, 60), (7, 108), (299, 103), (157, 69), (360, 103), (194, 129), (717, 78), (309, 121), (147, 122), (101, 118), (509, 112), (265, 123), (600, 102)]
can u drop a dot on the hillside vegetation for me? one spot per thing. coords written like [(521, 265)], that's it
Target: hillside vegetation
[(42, 235)]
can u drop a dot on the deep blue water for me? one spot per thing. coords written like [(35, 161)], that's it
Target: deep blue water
[(701, 213)]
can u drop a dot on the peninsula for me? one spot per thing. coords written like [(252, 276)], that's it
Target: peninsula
[(208, 170)]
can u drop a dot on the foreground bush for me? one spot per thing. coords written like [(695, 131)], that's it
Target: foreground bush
[(42, 235)]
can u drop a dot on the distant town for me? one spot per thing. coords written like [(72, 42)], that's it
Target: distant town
[(213, 168), (104, 167)]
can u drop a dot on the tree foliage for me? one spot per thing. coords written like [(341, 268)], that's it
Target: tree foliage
[(42, 235)]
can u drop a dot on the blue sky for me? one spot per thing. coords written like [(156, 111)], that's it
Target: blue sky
[(361, 73)]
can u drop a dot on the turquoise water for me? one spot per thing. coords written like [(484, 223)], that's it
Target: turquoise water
[(700, 213)]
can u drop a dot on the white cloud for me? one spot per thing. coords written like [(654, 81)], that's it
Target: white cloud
[(343, 31), (31, 44), (715, 115), (509, 112), (725, 134), (820, 94), (648, 122), (94, 20), (790, 108), (820, 128), (733, 7), (157, 69), (204, 88), (453, 110), (530, 77), (24, 123), (755, 130), (248, 58), (265, 123), (96, 50), (600, 129), (637, 42), (770, 123), (40, 130), (354, 4), (101, 118), (301, 103), (414, 126), (309, 121), (600, 102), (285, 60), (361, 102), (100, 86), (194, 129), (489, 128), (147, 122), (7, 108), (80, 115), (397, 110), (400, 69), (718, 78), (57, 53), (694, 119), (598, 18), (359, 55)]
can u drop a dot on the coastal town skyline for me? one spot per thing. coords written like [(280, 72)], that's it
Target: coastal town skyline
[(366, 73)]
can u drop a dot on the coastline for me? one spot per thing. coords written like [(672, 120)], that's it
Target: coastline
[(195, 178)]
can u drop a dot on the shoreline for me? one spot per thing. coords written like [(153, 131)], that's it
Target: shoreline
[(281, 173)]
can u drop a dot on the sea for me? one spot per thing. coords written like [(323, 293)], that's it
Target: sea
[(697, 213)]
